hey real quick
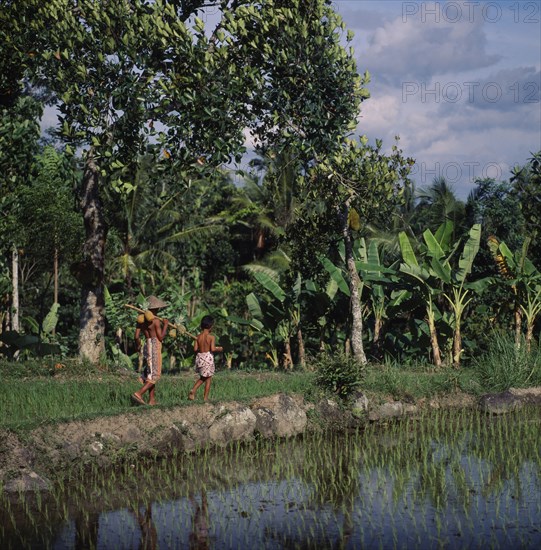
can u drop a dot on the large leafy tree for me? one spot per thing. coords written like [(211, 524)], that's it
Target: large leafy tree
[(360, 184), (124, 71), (19, 133), (526, 182), (51, 228)]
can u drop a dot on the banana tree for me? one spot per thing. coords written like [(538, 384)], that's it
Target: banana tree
[(426, 286), (439, 276), (375, 277), (459, 294), (322, 302), (278, 316), (382, 283), (525, 280)]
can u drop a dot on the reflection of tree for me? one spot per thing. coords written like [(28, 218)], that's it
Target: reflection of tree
[(444, 458), (448, 462), (199, 537), (149, 535), (333, 472), (506, 444), (86, 530)]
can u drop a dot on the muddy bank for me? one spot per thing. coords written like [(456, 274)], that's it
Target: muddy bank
[(49, 452)]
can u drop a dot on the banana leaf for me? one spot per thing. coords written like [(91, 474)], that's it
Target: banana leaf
[(336, 275), (407, 251), (271, 285), (471, 248)]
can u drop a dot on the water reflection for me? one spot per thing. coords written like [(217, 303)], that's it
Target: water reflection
[(200, 535), (149, 535), (450, 481)]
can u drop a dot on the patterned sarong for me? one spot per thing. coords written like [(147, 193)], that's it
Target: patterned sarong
[(152, 355), (204, 364)]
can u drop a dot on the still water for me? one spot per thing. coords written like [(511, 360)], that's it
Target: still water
[(448, 480)]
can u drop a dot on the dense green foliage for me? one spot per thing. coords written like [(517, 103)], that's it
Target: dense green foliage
[(339, 374), (507, 366), (320, 245)]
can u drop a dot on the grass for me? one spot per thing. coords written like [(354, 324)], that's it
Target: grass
[(507, 365), (46, 392), (426, 479), (420, 382), (38, 400)]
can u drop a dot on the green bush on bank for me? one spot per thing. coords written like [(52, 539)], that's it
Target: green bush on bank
[(507, 365), (339, 374)]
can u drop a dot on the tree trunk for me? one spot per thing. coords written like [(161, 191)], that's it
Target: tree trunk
[(529, 336), (355, 291), (15, 291), (55, 282), (457, 346), (518, 326), (92, 321), (378, 325), (55, 275), (300, 342), (127, 274), (434, 339), (288, 360)]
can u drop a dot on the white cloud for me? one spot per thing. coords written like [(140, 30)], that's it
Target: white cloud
[(378, 114), (49, 118), (419, 60), (415, 49)]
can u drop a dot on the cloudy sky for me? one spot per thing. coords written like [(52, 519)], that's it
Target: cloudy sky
[(458, 81)]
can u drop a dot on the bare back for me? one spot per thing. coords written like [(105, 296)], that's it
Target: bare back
[(204, 342), (151, 329)]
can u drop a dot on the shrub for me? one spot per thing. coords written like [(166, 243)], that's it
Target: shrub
[(340, 374), (507, 366)]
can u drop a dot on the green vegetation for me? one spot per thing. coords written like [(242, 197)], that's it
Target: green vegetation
[(339, 374), (61, 396), (507, 365), (417, 480), (318, 246)]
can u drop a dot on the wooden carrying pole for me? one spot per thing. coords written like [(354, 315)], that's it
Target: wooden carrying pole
[(181, 328)]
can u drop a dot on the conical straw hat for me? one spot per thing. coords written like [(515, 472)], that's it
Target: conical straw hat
[(155, 303)]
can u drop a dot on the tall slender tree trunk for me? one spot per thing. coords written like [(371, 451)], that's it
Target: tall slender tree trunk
[(55, 276), (378, 325), (15, 291), (55, 282), (300, 343), (457, 346), (436, 355), (92, 321), (518, 326), (529, 335), (355, 291), (288, 360)]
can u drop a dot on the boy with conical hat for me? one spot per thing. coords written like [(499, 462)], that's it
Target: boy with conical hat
[(154, 330)]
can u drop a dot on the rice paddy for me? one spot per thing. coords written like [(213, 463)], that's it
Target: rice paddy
[(446, 480)]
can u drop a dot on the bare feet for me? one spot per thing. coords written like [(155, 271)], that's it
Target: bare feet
[(191, 396)]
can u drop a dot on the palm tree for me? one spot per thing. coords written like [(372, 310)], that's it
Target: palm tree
[(268, 204), (436, 205)]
